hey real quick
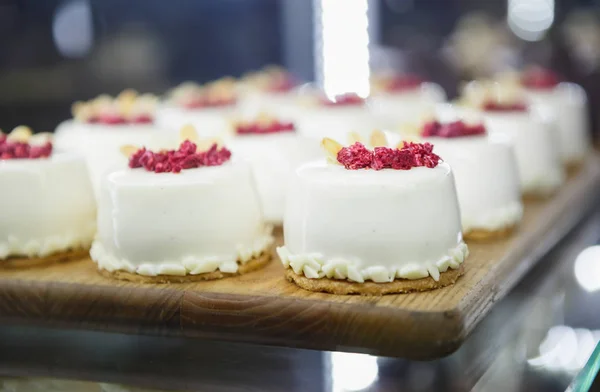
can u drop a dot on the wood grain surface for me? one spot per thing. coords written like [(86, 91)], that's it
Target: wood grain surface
[(262, 307)]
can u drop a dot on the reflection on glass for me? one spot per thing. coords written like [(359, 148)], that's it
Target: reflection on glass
[(352, 372), (587, 268), (530, 19), (343, 54)]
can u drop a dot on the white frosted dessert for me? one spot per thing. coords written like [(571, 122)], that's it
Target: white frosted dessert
[(274, 150), (322, 117), (207, 108), (194, 215), (486, 176), (536, 151), (46, 203), (566, 104), (398, 99), (101, 126), (362, 222), (505, 111)]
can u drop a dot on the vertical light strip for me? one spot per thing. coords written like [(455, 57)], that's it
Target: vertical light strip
[(342, 46)]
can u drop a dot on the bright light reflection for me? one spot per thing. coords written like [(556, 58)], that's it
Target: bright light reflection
[(352, 372), (565, 349), (587, 268), (530, 19), (72, 28), (343, 61)]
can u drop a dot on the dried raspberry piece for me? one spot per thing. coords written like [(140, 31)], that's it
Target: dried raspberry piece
[(539, 78), (404, 83), (357, 156), (383, 158), (260, 128), (206, 101), (142, 119), (431, 129), (504, 107), (174, 161), (350, 99), (21, 150)]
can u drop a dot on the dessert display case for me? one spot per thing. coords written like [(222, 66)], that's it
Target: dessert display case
[(221, 239)]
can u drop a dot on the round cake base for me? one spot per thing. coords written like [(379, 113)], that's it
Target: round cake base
[(489, 235), (32, 262), (398, 286), (256, 263)]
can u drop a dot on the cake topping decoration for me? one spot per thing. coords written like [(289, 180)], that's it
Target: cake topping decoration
[(539, 78), (492, 96), (262, 124), (127, 108), (397, 83), (349, 99), (21, 144), (220, 93), (452, 129), (192, 153), (272, 79), (404, 157)]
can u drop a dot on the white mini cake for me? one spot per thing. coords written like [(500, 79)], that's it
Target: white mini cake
[(273, 90), (46, 203), (101, 126), (566, 103), (366, 221), (485, 171), (189, 214), (504, 112), (397, 99), (208, 108), (274, 150), (322, 117)]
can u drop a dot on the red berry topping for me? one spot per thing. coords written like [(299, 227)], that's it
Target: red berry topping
[(403, 83), (357, 156), (281, 84), (349, 99), (22, 150), (261, 127), (539, 78), (174, 161), (491, 106), (451, 129), (208, 101)]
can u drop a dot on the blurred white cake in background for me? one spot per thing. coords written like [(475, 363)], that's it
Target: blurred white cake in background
[(396, 99), (274, 150), (101, 126), (208, 108), (505, 111), (46, 203)]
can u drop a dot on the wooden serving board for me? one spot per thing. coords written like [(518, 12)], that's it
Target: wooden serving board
[(263, 308)]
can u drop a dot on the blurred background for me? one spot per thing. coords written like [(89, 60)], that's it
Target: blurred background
[(53, 52)]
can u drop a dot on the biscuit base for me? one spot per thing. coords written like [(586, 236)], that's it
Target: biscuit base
[(18, 262), (398, 286), (489, 235), (254, 264)]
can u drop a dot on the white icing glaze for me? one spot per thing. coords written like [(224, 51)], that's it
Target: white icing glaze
[(487, 180), (46, 205), (536, 150), (393, 109), (378, 222), (100, 144), (567, 106), (273, 158), (315, 266), (196, 221)]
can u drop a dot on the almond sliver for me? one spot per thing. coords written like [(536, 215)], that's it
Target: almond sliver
[(378, 139)]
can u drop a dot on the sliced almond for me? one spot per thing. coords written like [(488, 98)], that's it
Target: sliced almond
[(378, 139), (20, 134), (128, 95), (128, 150), (41, 138), (408, 139), (354, 137), (331, 149), (188, 132)]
